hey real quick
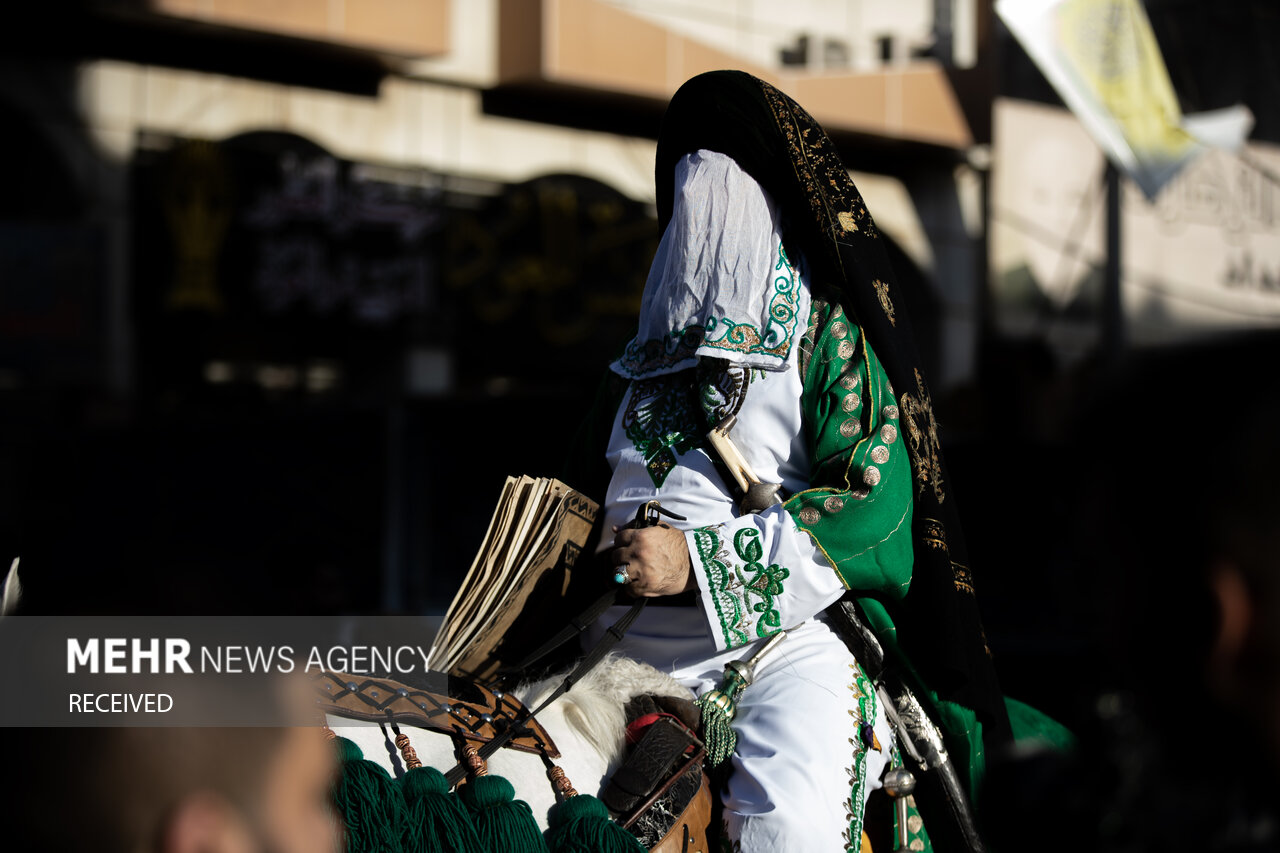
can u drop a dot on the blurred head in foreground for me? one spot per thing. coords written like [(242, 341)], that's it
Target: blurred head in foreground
[(1189, 491), (1179, 567), (174, 790)]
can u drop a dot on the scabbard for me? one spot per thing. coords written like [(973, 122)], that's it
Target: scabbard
[(940, 794)]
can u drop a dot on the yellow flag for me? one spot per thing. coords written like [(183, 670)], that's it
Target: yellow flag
[(1110, 46), (1102, 59)]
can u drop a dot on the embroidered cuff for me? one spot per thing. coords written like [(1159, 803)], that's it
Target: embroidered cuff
[(739, 592)]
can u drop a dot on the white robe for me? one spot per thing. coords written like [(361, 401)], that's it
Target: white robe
[(800, 773)]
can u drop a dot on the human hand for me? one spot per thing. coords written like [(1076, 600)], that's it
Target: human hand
[(657, 560)]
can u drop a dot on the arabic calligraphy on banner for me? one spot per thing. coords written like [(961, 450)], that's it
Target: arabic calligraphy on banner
[(265, 248)]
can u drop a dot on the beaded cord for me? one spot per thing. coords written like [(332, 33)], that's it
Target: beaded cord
[(559, 781), (407, 752)]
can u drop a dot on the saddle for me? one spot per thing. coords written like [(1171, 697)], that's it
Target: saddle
[(481, 717), (660, 793)]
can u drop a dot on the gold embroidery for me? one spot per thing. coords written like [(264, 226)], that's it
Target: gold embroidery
[(835, 203), (849, 814), (879, 454), (882, 291), (888, 433), (850, 428), (922, 439), (862, 712), (810, 516), (871, 476), (850, 403), (933, 534), (833, 504), (817, 306)]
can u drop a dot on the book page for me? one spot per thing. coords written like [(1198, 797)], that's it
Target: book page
[(557, 529), (493, 576), (464, 595)]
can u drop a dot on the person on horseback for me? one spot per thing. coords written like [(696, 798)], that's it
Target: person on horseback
[(771, 316)]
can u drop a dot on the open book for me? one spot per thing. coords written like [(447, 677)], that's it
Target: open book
[(535, 535)]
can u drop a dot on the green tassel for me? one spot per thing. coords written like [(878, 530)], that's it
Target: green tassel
[(718, 708), (720, 738), (504, 824), (582, 824), (369, 802), (435, 822)]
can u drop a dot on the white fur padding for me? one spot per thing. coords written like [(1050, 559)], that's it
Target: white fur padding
[(595, 705)]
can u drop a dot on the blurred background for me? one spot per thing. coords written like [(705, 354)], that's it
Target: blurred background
[(287, 287)]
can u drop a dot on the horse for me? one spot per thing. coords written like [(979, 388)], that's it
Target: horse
[(587, 725)]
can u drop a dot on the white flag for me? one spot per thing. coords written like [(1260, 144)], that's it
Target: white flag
[(1103, 60)]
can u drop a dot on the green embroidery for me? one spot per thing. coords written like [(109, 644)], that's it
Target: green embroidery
[(722, 388), (707, 542), (724, 333), (864, 712), (738, 592), (661, 421), (664, 416), (766, 583)]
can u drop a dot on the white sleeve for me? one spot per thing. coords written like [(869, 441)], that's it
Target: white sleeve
[(757, 574)]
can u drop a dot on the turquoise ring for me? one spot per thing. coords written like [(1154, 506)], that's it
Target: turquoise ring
[(621, 576)]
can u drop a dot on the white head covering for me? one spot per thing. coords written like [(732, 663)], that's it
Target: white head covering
[(721, 285)]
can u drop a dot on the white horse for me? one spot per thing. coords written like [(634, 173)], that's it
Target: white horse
[(588, 725)]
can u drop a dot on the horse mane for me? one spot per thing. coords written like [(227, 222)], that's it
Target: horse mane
[(595, 706)]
